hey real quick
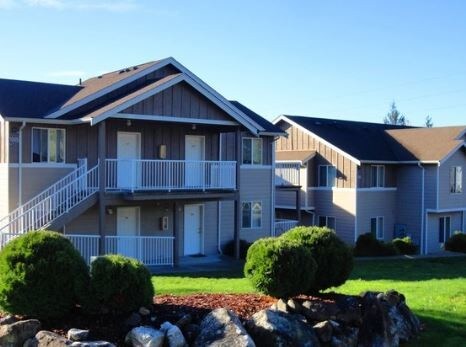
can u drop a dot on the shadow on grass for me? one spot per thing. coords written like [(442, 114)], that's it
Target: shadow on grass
[(230, 274)]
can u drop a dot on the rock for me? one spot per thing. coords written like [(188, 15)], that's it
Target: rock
[(77, 334), (46, 338), (31, 343), (8, 320), (349, 310), (324, 330), (318, 311), (132, 321), (294, 306), (281, 306), (173, 335), (15, 334), (92, 344), (183, 322), (345, 337), (222, 327), (276, 328), (143, 311), (145, 337), (191, 332)]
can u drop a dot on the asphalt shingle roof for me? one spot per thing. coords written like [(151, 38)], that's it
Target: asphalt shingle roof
[(264, 123)]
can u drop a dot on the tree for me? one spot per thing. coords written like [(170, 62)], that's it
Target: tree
[(394, 117), (429, 123)]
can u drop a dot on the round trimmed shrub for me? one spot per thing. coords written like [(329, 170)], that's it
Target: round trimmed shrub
[(280, 268), (119, 285), (404, 245), (41, 275), (368, 246), (333, 257), (456, 243), (229, 248)]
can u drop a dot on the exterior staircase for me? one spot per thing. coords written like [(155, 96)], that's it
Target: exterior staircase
[(73, 193)]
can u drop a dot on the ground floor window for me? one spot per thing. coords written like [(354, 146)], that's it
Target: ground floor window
[(329, 222), (444, 229), (377, 227), (251, 213)]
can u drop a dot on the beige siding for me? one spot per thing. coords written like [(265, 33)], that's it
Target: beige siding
[(376, 204), (447, 199)]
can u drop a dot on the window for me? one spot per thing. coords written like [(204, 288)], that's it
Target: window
[(329, 222), (327, 176), (48, 145), (252, 151), (377, 176), (251, 214), (377, 227), (456, 179), (443, 229)]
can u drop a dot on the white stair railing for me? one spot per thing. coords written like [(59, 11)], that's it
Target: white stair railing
[(52, 203)]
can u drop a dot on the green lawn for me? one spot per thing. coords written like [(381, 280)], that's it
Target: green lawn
[(434, 288)]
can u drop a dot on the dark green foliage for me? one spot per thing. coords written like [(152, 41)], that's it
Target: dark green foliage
[(41, 275), (404, 245), (333, 257), (280, 268), (119, 285), (456, 243), (229, 248), (368, 246)]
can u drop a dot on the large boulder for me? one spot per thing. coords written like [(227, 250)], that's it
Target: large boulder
[(46, 338), (222, 327), (77, 334), (276, 328), (92, 344), (15, 334), (145, 337), (174, 335)]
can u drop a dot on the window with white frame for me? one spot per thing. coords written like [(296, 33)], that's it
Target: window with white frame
[(329, 222), (327, 176), (377, 176), (456, 179), (48, 145), (377, 227), (252, 151), (251, 212), (444, 229)]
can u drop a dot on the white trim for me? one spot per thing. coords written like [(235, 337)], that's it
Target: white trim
[(338, 150), (39, 165), (292, 207), (47, 121), (444, 227), (438, 186), (272, 198), (426, 248), (252, 152), (326, 175), (202, 217), (251, 202), (48, 152), (445, 210), (422, 250), (290, 161), (377, 183), (453, 151), (399, 162), (449, 174), (377, 227), (326, 222), (251, 167), (356, 207), (382, 189), (171, 119)]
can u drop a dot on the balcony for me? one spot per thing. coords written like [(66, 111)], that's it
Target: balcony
[(287, 174), (169, 175)]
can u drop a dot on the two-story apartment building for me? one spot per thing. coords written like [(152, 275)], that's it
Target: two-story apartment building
[(147, 161), (358, 177)]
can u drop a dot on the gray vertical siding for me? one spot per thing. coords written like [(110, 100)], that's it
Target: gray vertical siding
[(447, 199)]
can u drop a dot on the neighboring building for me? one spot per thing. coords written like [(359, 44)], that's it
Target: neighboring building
[(358, 177), (148, 161)]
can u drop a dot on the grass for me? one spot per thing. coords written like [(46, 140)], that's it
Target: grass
[(435, 290)]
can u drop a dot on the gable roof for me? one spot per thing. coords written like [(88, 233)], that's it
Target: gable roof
[(375, 142)]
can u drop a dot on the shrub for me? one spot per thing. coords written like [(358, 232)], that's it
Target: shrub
[(333, 257), (368, 246), (456, 243), (280, 268), (229, 248), (119, 285), (41, 275), (404, 245)]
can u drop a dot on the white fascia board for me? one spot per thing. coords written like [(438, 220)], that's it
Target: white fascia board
[(335, 148), (445, 210), (445, 158), (414, 162), (48, 121), (123, 82)]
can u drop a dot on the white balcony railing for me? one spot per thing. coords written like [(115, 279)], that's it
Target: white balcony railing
[(87, 245), (283, 225), (144, 175), (287, 174)]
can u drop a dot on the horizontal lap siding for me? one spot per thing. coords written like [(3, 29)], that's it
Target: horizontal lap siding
[(433, 244), (430, 186), (365, 176), (447, 199), (4, 196), (227, 222)]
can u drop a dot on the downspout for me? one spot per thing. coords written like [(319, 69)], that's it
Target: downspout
[(423, 245), (20, 165)]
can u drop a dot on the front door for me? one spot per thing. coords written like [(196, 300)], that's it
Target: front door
[(194, 155), (127, 230), (128, 150), (193, 225)]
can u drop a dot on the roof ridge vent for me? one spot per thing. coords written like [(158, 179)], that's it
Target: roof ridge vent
[(121, 71)]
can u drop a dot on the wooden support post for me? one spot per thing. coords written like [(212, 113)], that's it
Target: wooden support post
[(238, 193), (176, 235), (298, 205), (102, 152)]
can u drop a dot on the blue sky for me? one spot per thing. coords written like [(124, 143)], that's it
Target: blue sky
[(334, 59)]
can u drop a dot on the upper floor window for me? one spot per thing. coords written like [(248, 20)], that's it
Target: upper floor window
[(252, 151), (251, 214), (377, 176), (377, 227), (48, 145), (327, 176), (329, 222), (444, 229), (456, 179)]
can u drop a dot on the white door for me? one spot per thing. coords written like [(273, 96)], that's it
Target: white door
[(127, 228), (193, 226), (128, 149), (194, 155)]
